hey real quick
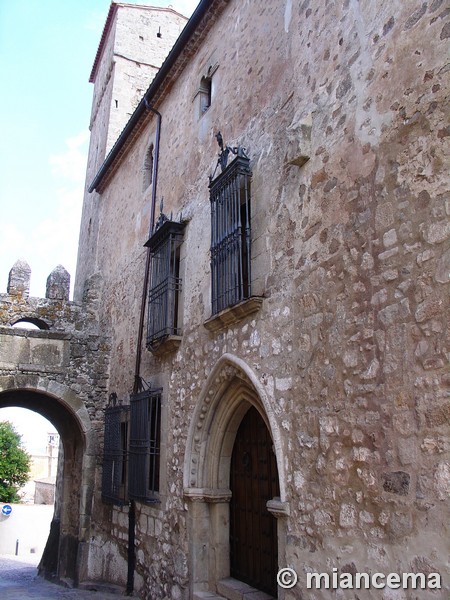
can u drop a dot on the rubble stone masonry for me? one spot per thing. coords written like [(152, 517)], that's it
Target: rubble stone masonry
[(343, 110)]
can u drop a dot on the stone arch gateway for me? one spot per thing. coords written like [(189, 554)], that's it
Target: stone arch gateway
[(71, 519), (231, 390)]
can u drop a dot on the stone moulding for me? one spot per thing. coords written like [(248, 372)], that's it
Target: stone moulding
[(35, 333), (233, 314), (277, 508), (212, 496), (169, 344)]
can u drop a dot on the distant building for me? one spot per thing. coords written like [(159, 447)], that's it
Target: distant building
[(45, 490), (43, 467)]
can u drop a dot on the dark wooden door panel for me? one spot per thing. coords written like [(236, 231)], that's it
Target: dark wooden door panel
[(253, 481)]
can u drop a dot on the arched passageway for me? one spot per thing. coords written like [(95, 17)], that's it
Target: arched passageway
[(68, 415)]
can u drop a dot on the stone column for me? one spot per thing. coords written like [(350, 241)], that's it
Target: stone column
[(208, 530)]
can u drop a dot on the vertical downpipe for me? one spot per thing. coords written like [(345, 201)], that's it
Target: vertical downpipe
[(131, 553), (131, 547)]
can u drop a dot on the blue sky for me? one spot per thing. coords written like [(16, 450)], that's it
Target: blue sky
[(47, 48)]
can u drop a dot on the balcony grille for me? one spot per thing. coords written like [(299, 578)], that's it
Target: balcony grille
[(230, 235), (165, 286), (145, 440)]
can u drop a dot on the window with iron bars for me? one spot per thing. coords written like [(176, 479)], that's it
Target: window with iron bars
[(230, 235), (145, 443), (115, 452), (165, 285)]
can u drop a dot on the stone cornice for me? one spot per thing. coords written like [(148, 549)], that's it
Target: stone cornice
[(211, 496)]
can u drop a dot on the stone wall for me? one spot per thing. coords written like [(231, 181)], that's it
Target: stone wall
[(67, 347), (59, 370), (130, 56), (341, 109)]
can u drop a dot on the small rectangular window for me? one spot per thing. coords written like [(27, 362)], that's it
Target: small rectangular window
[(230, 235), (115, 449), (205, 93), (145, 443)]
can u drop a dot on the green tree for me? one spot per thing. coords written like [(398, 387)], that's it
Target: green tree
[(14, 463)]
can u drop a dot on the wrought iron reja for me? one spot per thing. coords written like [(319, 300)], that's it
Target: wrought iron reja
[(224, 153), (113, 400), (229, 195), (164, 218)]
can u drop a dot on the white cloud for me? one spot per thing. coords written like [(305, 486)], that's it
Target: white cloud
[(71, 164), (48, 236), (55, 240)]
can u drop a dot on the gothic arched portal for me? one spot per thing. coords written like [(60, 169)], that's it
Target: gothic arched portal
[(231, 396)]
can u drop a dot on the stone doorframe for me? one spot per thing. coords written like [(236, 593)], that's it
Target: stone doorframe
[(231, 388), (71, 522)]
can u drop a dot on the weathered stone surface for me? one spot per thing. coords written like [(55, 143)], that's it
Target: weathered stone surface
[(396, 483), (19, 279), (58, 284), (347, 357)]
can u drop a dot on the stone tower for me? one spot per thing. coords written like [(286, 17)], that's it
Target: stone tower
[(134, 43)]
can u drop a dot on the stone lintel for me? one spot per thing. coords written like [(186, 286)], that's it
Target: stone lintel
[(35, 333), (209, 495), (40, 369)]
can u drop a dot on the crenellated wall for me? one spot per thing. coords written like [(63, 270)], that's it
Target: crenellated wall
[(59, 370)]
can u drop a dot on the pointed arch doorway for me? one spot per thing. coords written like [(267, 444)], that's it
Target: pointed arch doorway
[(231, 391), (253, 482)]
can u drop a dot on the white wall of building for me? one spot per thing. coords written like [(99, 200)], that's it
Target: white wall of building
[(27, 524)]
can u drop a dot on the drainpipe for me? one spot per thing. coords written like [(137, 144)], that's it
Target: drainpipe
[(137, 369), (137, 377)]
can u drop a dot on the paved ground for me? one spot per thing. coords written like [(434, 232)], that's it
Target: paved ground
[(19, 581)]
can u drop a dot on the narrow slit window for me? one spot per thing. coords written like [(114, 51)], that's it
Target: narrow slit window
[(205, 94), (148, 168)]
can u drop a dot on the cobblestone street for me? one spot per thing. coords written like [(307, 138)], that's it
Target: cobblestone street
[(19, 581)]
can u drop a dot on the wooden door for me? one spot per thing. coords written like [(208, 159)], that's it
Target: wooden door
[(253, 481)]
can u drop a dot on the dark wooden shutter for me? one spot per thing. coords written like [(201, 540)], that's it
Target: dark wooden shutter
[(145, 441)]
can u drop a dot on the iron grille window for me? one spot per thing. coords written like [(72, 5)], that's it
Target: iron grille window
[(145, 442), (230, 235), (114, 474), (165, 284)]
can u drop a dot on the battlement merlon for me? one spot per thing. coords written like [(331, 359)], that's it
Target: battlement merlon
[(55, 312)]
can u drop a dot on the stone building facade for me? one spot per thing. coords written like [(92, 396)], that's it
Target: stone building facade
[(277, 324)]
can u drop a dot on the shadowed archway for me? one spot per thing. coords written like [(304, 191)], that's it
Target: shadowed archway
[(74, 489)]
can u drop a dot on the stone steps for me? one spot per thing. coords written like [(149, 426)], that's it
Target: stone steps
[(232, 589)]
